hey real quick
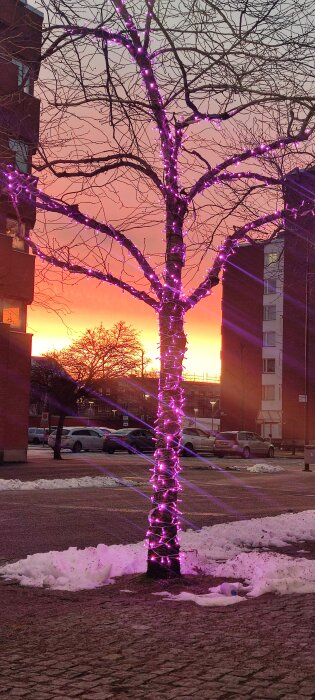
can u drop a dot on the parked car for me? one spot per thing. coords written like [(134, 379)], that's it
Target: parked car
[(130, 439), (196, 440), (37, 436), (242, 443), (78, 438)]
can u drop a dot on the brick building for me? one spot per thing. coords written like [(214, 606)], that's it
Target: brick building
[(268, 329), (136, 397), (20, 41)]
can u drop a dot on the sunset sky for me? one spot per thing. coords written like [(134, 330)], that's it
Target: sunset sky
[(89, 305)]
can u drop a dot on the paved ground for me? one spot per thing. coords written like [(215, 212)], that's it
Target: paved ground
[(110, 643)]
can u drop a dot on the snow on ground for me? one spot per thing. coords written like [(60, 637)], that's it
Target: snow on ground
[(80, 483), (226, 550), (265, 468)]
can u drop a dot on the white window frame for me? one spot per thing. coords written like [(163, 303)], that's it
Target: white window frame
[(270, 285), (269, 339), (21, 151), (268, 389), (24, 75), (269, 315)]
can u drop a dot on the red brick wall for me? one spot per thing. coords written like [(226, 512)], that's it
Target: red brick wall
[(20, 37), (15, 352), (242, 339), (299, 230)]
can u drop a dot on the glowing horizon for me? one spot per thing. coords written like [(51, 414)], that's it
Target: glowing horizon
[(88, 310)]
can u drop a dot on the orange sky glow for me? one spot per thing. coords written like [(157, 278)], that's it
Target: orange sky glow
[(88, 305)]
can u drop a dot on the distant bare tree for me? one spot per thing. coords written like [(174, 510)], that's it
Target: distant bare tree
[(167, 122), (102, 353)]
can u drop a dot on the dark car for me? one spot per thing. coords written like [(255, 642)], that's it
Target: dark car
[(130, 439)]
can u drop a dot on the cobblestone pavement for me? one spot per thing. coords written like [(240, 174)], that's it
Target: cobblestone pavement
[(120, 641), (108, 643)]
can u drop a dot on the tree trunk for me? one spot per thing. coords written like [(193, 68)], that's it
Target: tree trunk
[(163, 543), (57, 447)]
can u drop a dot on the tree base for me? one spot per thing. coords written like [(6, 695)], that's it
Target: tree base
[(160, 571)]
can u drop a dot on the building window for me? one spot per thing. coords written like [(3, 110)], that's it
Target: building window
[(270, 313), (13, 313), (271, 258), (13, 228), (268, 392), (269, 365), (21, 150), (270, 285), (24, 76), (269, 339)]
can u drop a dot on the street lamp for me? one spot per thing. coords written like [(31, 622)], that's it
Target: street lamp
[(90, 411), (195, 412), (212, 404)]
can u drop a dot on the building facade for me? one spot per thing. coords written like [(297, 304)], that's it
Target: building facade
[(20, 42), (126, 401), (268, 327)]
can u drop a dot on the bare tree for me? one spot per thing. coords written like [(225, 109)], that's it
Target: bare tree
[(102, 353), (52, 387), (172, 117)]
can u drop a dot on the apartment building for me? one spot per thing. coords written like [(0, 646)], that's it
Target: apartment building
[(20, 41), (268, 327)]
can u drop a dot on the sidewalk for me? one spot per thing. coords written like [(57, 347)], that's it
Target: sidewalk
[(120, 641)]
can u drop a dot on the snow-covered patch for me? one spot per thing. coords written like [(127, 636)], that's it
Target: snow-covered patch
[(270, 572), (84, 482), (263, 572), (265, 468), (210, 600), (224, 594), (224, 550)]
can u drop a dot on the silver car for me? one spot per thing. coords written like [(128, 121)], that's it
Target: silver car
[(242, 443), (196, 440), (79, 438), (37, 436)]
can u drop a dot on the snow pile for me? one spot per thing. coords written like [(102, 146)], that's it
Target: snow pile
[(76, 569), (84, 482), (224, 550), (270, 572), (265, 469)]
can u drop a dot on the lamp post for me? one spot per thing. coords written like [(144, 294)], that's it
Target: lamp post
[(195, 412), (90, 411), (212, 404), (308, 290)]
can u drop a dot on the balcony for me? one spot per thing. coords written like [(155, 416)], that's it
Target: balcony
[(20, 111)]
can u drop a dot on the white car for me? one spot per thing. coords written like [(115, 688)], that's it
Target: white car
[(79, 438), (196, 440)]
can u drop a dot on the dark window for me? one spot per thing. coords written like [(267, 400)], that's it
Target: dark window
[(81, 432), (269, 365), (270, 312), (270, 285)]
